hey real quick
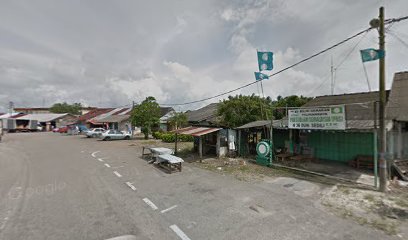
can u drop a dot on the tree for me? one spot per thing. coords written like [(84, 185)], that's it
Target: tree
[(64, 107), (239, 110), (178, 120), (146, 115), (290, 101)]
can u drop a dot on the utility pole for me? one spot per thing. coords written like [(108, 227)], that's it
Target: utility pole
[(131, 122), (11, 107), (382, 135)]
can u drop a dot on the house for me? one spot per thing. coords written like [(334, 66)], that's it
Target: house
[(205, 116), (358, 138), (85, 120), (397, 113), (210, 137), (117, 118), (165, 114), (49, 120)]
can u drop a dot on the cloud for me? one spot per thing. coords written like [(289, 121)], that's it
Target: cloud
[(110, 54)]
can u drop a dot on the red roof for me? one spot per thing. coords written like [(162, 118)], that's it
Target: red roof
[(196, 131), (93, 113), (121, 111)]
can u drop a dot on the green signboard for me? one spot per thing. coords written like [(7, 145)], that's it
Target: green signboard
[(326, 118)]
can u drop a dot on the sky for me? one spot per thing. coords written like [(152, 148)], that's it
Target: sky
[(109, 53)]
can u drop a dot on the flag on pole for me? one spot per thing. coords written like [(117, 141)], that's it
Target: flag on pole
[(260, 76), (371, 54), (265, 61)]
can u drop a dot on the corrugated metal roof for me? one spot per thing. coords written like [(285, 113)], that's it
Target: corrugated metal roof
[(397, 106), (43, 117), (8, 115), (207, 113), (93, 113), (260, 123), (114, 119), (196, 131)]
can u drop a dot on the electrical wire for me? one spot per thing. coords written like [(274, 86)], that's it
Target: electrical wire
[(386, 22), (398, 38), (274, 74)]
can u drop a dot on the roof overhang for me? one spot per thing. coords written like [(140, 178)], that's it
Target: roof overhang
[(196, 131)]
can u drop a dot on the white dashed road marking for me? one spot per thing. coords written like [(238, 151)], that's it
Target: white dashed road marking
[(179, 233), (131, 186), (117, 174), (107, 165), (93, 154), (100, 159), (150, 203), (168, 209), (118, 167)]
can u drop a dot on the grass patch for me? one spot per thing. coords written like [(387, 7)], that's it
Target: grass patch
[(344, 190), (369, 197), (389, 228), (401, 202)]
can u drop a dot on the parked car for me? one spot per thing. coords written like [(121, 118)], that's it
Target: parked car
[(55, 130), (63, 129), (94, 132), (115, 135)]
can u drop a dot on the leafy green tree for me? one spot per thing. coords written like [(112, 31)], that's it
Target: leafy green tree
[(66, 108), (290, 101), (146, 115), (178, 120), (239, 110)]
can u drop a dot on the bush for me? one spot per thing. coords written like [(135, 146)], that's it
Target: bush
[(157, 135), (171, 137)]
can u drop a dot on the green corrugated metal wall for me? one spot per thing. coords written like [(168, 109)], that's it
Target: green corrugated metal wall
[(279, 138), (340, 146)]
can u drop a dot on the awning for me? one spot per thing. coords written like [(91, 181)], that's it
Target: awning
[(196, 131)]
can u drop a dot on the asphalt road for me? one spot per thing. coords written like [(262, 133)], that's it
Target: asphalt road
[(70, 187)]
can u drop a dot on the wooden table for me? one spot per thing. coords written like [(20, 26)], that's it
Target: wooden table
[(169, 162), (156, 151)]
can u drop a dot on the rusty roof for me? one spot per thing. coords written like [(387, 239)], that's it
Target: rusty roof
[(196, 131)]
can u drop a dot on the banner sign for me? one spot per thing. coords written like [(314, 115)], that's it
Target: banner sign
[(324, 118)]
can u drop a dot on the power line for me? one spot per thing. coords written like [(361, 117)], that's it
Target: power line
[(387, 21), (398, 38), (274, 74)]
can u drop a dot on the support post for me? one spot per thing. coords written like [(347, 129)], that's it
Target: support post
[(200, 147), (218, 145), (382, 161), (175, 143), (399, 141), (375, 141)]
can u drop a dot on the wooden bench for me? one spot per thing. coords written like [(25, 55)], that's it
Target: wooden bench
[(362, 161), (283, 156)]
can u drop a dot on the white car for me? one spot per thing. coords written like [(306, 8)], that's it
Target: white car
[(94, 132), (115, 135)]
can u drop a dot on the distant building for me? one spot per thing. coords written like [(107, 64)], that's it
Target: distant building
[(37, 110), (205, 116)]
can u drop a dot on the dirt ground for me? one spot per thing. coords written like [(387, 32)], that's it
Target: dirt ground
[(360, 203), (386, 212)]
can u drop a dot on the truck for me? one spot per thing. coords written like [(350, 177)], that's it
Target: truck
[(20, 125)]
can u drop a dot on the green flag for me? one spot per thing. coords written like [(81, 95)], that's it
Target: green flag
[(371, 54), (265, 60)]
